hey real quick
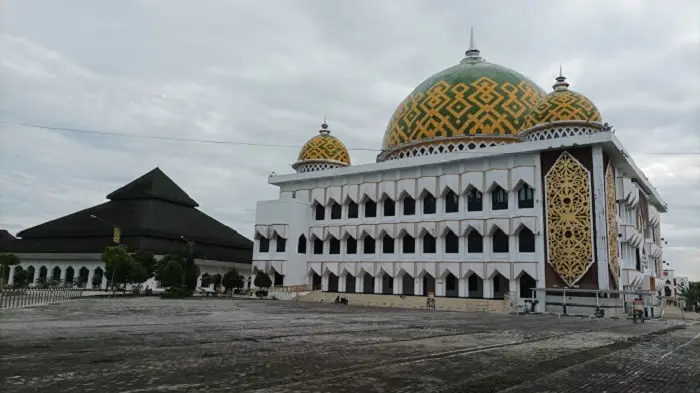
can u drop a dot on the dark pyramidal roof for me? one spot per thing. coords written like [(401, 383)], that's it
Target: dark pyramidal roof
[(152, 212)]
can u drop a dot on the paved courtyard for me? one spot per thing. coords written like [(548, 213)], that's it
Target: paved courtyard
[(154, 345)]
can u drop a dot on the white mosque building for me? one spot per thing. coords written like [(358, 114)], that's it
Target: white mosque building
[(486, 186)]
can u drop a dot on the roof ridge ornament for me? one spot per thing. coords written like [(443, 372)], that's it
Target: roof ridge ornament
[(561, 84), (472, 55), (324, 128)]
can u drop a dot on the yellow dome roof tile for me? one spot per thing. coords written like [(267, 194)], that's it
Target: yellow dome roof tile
[(324, 147)]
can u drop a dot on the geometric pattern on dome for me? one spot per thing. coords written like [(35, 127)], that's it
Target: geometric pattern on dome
[(480, 99), (569, 218), (440, 148), (611, 212), (563, 105), (316, 166), (324, 147), (559, 132)]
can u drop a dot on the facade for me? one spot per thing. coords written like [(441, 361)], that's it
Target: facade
[(151, 213), (673, 284), (486, 186)]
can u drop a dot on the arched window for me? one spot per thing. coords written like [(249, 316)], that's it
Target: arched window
[(389, 207), (353, 210), (336, 211), (319, 212), (408, 243), (475, 242), (526, 240), (370, 208), (281, 244), (264, 244), (428, 244), (474, 200), (409, 206), (451, 202), (368, 244), (318, 246), (387, 244), (499, 199), (429, 204), (301, 245), (526, 197), (334, 246), (451, 243), (500, 241), (351, 245)]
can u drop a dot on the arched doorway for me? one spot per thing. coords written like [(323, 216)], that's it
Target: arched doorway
[(56, 274), (387, 284), (451, 286), (19, 278), (368, 284), (428, 284), (205, 280), (332, 282), (278, 280), (526, 284), (216, 280), (316, 282), (476, 286), (407, 284), (349, 283), (500, 286), (30, 274), (667, 291), (97, 278), (70, 275), (83, 275), (43, 274)]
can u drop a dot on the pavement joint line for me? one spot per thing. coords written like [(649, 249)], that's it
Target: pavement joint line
[(679, 347)]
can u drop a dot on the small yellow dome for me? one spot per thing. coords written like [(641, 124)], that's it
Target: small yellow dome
[(562, 105), (323, 149)]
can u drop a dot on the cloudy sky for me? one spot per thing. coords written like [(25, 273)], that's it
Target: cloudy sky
[(268, 71)]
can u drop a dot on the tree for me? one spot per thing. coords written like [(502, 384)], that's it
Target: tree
[(147, 260), (232, 279), (169, 270), (121, 268), (691, 293), (262, 280), (7, 260)]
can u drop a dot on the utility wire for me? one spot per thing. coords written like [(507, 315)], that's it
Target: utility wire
[(219, 142)]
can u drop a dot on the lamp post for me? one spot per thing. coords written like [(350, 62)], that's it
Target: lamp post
[(116, 237)]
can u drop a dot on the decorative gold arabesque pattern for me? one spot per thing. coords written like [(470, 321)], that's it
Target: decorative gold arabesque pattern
[(569, 218), (611, 210), (324, 147), (464, 102), (565, 105)]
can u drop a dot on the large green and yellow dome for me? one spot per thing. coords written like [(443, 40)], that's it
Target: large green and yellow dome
[(323, 151), (472, 104)]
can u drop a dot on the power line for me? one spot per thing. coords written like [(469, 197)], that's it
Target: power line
[(219, 142)]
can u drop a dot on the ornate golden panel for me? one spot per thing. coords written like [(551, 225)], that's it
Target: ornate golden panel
[(324, 147), (569, 218), (611, 211), (562, 106), (483, 107)]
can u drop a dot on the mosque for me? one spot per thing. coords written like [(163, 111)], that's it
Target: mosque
[(486, 186)]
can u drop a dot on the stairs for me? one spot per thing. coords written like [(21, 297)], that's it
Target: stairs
[(415, 302)]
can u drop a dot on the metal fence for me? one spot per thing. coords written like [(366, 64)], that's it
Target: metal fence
[(17, 298)]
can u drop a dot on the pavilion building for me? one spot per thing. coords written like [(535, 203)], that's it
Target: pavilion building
[(151, 213), (486, 186)]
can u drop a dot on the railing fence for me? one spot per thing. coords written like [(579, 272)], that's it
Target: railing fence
[(27, 297)]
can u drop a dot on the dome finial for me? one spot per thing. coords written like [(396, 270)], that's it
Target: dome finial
[(324, 127), (561, 84), (472, 54)]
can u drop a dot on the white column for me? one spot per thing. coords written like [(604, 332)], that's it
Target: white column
[(91, 276), (103, 285), (11, 278), (439, 287), (360, 283), (463, 291), (601, 227), (63, 274), (488, 288), (342, 281), (199, 281), (36, 275), (513, 287), (418, 286), (378, 284), (398, 285), (324, 283)]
